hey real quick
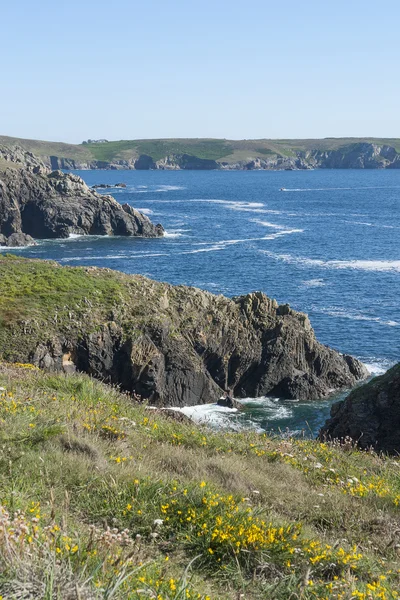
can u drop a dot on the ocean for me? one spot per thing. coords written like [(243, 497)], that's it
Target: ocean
[(324, 241)]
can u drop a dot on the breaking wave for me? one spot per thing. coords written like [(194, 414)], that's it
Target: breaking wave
[(364, 265)]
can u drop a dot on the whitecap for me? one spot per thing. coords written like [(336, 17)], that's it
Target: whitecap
[(328, 189), (169, 188), (368, 224), (175, 233), (313, 283), (364, 265), (268, 224), (344, 313), (146, 211)]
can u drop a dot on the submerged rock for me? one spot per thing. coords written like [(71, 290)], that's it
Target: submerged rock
[(36, 203), (370, 415), (171, 345)]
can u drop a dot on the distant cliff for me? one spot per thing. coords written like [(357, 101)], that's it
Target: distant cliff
[(205, 154)]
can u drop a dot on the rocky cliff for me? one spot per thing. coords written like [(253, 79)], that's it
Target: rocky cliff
[(37, 203), (173, 345), (370, 415), (353, 156), (172, 154)]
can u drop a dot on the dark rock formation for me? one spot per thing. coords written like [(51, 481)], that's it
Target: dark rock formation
[(16, 240), (229, 402), (106, 186), (172, 345), (36, 203), (370, 415)]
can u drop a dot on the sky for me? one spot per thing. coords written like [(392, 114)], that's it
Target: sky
[(227, 69)]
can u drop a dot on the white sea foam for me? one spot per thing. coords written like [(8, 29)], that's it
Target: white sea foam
[(344, 313), (377, 366), (367, 224), (169, 188), (271, 236), (175, 233), (328, 189), (313, 283), (210, 249), (146, 211), (132, 256), (273, 407), (364, 265), (268, 224), (75, 235), (210, 414), (219, 417)]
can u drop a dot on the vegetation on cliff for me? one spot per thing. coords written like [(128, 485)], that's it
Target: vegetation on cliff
[(200, 153), (174, 345), (101, 498)]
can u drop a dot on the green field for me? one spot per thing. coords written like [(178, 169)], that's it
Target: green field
[(223, 150)]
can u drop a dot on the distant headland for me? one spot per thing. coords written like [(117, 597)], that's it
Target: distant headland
[(223, 154)]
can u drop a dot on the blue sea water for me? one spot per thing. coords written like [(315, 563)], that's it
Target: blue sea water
[(328, 244)]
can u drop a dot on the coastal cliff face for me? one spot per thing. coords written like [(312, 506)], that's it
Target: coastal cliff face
[(353, 156), (200, 154), (172, 345), (370, 415), (36, 203)]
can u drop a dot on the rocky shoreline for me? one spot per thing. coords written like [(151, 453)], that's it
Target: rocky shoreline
[(36, 203), (369, 416), (171, 345)]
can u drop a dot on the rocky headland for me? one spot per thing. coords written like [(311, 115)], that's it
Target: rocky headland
[(172, 345), (370, 415), (36, 203), (355, 156), (206, 154)]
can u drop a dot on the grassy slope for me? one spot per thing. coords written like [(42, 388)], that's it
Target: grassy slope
[(37, 296), (214, 149), (206, 514)]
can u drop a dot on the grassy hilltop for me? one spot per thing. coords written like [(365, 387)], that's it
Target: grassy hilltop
[(227, 151), (101, 498)]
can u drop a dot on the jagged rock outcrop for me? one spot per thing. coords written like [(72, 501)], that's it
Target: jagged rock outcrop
[(370, 415), (41, 204), (172, 345), (19, 157)]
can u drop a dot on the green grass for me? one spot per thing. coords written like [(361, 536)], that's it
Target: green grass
[(157, 149), (117, 501), (211, 149)]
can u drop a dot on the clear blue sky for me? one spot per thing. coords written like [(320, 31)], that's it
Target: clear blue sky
[(233, 69)]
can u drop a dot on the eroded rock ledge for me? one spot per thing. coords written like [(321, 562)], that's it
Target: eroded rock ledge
[(37, 203), (370, 415), (173, 345)]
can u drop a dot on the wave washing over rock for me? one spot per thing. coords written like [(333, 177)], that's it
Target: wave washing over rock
[(172, 345)]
